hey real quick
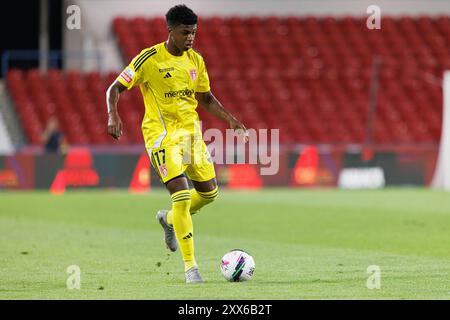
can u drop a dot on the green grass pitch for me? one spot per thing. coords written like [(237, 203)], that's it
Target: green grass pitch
[(307, 244)]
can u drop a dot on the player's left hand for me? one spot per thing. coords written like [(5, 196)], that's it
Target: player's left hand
[(240, 129)]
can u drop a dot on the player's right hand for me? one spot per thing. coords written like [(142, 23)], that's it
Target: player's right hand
[(115, 125)]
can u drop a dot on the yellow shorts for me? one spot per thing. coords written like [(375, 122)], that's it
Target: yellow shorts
[(173, 160)]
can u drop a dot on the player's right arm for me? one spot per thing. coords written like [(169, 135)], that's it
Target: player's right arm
[(131, 76), (115, 124)]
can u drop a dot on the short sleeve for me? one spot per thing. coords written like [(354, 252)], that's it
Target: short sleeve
[(203, 78), (134, 74)]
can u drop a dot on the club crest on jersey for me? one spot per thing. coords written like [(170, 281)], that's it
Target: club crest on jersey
[(193, 74), (163, 169), (127, 75)]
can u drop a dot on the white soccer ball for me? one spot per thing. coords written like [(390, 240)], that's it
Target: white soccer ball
[(237, 265)]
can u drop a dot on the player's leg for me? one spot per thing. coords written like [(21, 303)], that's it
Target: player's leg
[(177, 222), (181, 220), (204, 193), (167, 164)]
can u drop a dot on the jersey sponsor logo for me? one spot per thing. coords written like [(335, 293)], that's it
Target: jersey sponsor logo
[(127, 75), (193, 74), (167, 69), (180, 93)]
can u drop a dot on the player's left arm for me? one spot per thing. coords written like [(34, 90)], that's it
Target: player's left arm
[(213, 106)]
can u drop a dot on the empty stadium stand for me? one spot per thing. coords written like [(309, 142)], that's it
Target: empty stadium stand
[(309, 76)]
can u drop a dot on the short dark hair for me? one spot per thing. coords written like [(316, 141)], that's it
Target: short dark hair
[(180, 14)]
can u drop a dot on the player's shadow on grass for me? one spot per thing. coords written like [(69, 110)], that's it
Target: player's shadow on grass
[(277, 282)]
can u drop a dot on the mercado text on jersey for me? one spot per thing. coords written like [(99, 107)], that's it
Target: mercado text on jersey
[(168, 84)]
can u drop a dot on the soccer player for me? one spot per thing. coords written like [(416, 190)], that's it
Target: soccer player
[(173, 79)]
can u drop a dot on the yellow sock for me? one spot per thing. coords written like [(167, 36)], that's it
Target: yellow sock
[(182, 224), (198, 200)]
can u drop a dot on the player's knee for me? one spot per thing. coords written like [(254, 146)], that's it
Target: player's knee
[(210, 196)]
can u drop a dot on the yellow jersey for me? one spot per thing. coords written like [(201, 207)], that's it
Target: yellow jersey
[(168, 84)]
